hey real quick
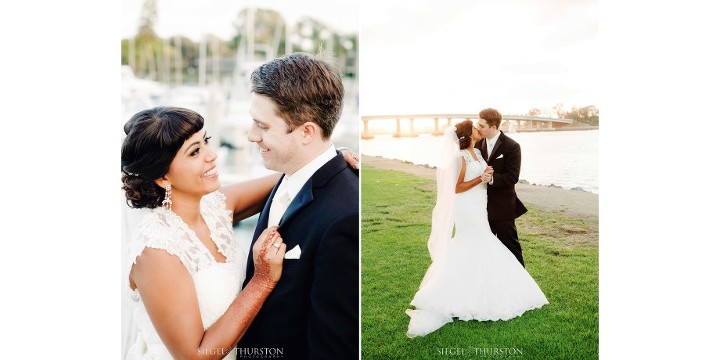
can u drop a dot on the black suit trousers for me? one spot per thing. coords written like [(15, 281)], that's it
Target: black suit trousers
[(507, 233)]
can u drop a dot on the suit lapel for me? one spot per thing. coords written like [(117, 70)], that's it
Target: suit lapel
[(302, 199), (306, 194), (261, 225), (265, 214)]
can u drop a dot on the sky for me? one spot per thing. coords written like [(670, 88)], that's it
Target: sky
[(462, 56), (427, 56), (193, 18)]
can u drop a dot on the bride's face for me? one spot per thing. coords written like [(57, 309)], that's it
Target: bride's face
[(475, 133), (193, 171)]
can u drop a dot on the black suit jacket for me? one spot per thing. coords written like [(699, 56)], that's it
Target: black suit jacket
[(313, 311), (503, 203)]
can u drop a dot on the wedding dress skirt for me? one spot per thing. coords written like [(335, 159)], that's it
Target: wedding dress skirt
[(478, 278)]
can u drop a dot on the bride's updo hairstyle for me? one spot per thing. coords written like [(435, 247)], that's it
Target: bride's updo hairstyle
[(153, 138), (464, 133)]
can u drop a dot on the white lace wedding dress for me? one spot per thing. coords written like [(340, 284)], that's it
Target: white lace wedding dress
[(217, 284), (477, 278)]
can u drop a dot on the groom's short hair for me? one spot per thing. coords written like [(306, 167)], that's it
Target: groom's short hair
[(491, 116), (304, 88)]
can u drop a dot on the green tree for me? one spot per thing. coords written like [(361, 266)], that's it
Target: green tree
[(146, 45), (587, 115), (591, 115), (346, 52), (271, 32), (189, 55), (148, 18)]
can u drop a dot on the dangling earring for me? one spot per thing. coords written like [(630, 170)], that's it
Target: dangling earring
[(167, 203)]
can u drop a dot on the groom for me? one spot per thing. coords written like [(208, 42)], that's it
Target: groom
[(503, 154), (312, 313)]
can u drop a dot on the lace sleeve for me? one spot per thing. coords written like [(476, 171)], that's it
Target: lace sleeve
[(155, 233)]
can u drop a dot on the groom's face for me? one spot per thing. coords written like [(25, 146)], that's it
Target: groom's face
[(483, 128), (269, 131)]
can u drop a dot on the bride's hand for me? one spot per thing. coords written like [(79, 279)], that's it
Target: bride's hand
[(353, 159), (489, 170), (268, 255)]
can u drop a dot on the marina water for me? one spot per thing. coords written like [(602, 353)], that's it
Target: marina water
[(568, 159)]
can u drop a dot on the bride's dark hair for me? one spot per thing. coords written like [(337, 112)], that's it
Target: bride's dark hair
[(464, 133), (153, 138)]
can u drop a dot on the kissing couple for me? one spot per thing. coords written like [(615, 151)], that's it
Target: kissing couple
[(479, 274)]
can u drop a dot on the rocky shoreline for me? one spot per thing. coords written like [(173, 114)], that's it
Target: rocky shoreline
[(521, 181)]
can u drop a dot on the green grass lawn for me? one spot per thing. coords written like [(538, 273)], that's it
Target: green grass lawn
[(396, 215)]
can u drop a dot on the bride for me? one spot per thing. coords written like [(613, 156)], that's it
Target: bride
[(473, 276)]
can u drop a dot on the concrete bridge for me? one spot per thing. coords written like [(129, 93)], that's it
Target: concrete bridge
[(416, 124)]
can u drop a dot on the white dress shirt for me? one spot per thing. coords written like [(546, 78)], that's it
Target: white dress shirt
[(491, 143), (291, 185)]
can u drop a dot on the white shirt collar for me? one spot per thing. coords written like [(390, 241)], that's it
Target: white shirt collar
[(293, 184), (493, 139)]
